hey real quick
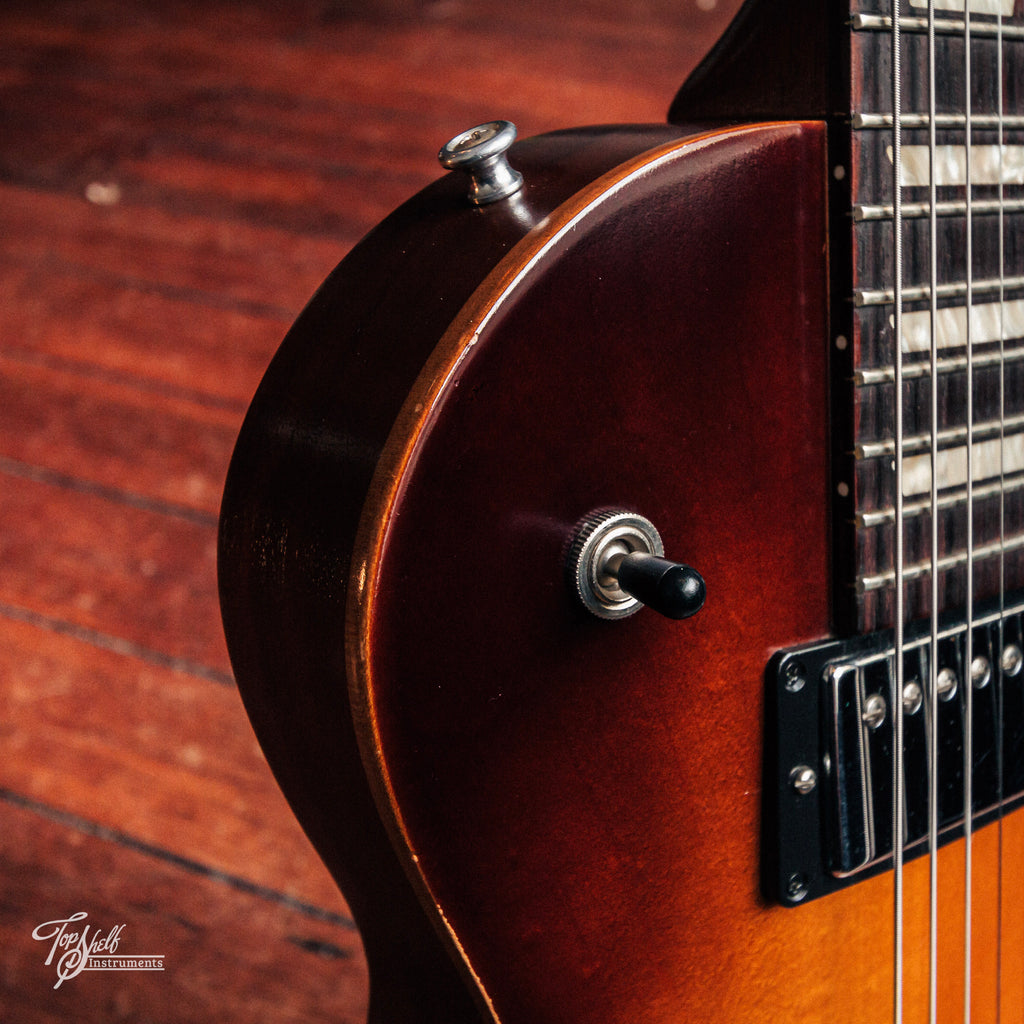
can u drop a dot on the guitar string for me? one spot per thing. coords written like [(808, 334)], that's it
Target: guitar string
[(897, 703), (968, 670), (932, 760), (997, 669)]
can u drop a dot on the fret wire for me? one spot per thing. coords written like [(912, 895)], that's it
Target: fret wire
[(898, 638), (947, 437), (968, 752), (950, 208), (952, 289), (886, 374), (877, 581), (942, 26), (913, 509), (980, 122)]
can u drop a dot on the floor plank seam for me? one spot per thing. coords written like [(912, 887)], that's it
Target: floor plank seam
[(124, 378), (65, 481), (115, 644), (236, 882)]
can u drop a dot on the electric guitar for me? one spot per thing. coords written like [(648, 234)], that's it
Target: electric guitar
[(559, 557)]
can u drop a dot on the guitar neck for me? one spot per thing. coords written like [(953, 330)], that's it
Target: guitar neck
[(961, 130), (842, 72)]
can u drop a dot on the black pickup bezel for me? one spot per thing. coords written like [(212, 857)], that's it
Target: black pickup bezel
[(796, 853)]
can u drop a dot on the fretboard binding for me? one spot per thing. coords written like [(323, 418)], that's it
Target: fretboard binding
[(912, 572), (913, 509), (943, 26), (887, 374), (980, 122), (953, 289), (954, 208), (953, 435)]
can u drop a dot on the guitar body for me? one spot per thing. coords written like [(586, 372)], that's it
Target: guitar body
[(583, 796), (538, 816)]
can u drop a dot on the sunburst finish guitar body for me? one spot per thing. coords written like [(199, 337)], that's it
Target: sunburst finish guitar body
[(540, 809)]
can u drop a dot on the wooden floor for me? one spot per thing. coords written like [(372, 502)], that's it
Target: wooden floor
[(175, 181)]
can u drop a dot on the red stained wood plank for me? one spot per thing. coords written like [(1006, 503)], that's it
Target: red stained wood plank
[(418, 53), (342, 115), (126, 572), (161, 755), (228, 955), (272, 159), (221, 263), (162, 448), (68, 318)]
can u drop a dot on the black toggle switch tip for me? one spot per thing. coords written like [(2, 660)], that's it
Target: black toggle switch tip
[(674, 590)]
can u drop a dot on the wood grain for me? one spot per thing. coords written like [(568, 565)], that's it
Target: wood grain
[(113, 568), (151, 752), (129, 441), (229, 951), (175, 182)]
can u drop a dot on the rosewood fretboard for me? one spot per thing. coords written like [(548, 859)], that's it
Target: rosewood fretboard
[(983, 272)]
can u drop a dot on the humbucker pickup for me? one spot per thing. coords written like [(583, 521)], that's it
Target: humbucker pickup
[(830, 729)]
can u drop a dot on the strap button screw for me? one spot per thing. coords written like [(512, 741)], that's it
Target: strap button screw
[(480, 152)]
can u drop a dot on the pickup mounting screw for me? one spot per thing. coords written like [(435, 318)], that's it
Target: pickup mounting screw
[(913, 698), (874, 711), (946, 682), (1012, 659), (796, 676), (981, 672), (803, 778), (796, 888)]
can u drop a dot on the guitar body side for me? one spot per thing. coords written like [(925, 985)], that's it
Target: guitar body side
[(297, 483)]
